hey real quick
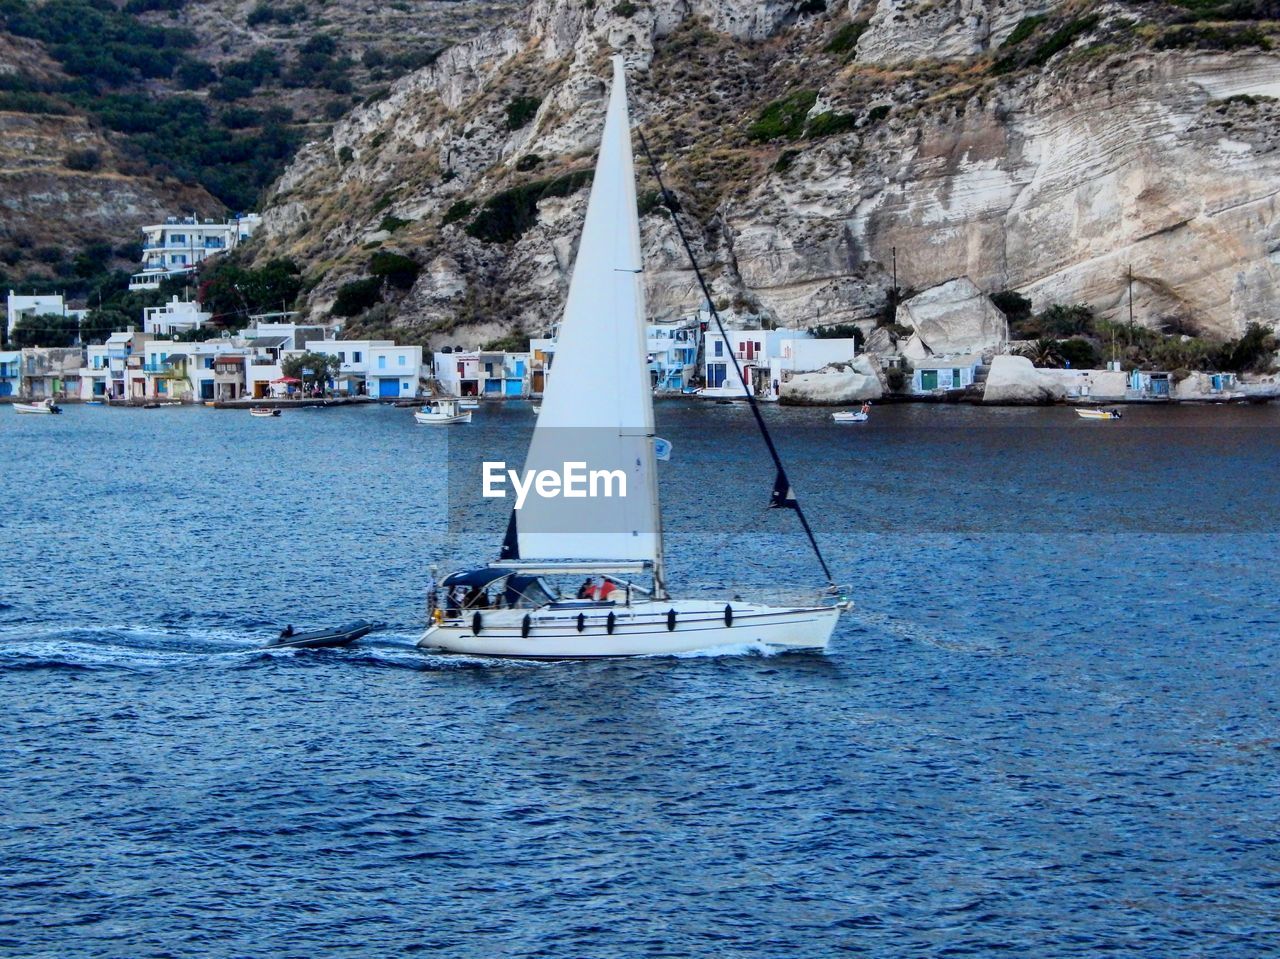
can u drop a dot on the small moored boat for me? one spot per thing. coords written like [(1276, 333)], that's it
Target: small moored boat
[(1112, 414), (853, 416), (263, 411), (324, 638), (442, 413), (45, 406)]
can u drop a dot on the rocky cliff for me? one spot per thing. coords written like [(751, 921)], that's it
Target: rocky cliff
[(1040, 147)]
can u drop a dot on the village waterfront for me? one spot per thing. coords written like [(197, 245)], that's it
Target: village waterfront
[(1048, 726)]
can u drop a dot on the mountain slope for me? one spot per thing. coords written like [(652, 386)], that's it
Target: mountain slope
[(1038, 147)]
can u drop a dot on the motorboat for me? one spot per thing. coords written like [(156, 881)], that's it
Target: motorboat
[(1091, 414), (598, 411), (442, 413), (851, 416), (45, 406), (324, 638), (263, 411)]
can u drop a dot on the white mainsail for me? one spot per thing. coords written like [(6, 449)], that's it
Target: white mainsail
[(598, 405)]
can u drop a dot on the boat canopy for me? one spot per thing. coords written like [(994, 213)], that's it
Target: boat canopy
[(520, 590), (481, 577)]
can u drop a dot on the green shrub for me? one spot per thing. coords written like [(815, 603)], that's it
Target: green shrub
[(507, 215), (1026, 26), (1061, 38), (528, 162), (1080, 354), (1062, 320), (846, 38), (357, 296), (398, 269), (521, 110), (392, 223), (784, 118), (829, 124), (625, 9), (785, 159), (459, 210), (651, 201), (87, 160), (876, 114), (1214, 38)]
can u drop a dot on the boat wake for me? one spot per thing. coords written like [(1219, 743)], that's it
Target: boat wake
[(143, 647), (729, 649)]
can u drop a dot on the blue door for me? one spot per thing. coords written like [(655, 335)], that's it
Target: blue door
[(6, 389), (388, 387)]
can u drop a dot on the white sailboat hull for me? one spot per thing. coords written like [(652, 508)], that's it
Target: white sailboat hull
[(641, 629)]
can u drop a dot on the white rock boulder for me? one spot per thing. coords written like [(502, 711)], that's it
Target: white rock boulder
[(1014, 380), (953, 318), (834, 385)]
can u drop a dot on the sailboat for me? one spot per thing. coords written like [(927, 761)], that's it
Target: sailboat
[(598, 411)]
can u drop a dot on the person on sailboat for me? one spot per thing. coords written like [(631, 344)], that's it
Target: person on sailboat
[(584, 591)]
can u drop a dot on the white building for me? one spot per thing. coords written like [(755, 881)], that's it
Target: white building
[(295, 335), (125, 375), (95, 373), (180, 244), (45, 304), (672, 350), (753, 349), (492, 374), (176, 316), (373, 367), (937, 374)]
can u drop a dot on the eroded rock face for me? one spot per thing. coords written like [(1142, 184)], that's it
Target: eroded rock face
[(901, 31), (1014, 380), (1052, 184), (953, 318)]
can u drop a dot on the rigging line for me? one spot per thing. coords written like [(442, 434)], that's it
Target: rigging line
[(751, 400)]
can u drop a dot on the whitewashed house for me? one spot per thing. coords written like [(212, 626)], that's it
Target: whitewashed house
[(672, 353), (125, 376), (94, 374), (374, 367), (176, 316), (45, 304), (938, 374), (180, 244), (490, 374), (756, 352)]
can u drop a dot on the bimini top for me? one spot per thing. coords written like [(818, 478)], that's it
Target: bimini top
[(520, 589), (481, 577)]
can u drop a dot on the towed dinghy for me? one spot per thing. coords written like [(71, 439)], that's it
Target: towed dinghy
[(324, 638)]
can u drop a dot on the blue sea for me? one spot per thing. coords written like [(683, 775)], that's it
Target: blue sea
[(1048, 728)]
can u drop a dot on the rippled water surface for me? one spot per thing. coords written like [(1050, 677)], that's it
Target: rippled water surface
[(1048, 729)]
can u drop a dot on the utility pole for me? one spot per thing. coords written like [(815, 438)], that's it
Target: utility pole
[(894, 251), (1131, 304)]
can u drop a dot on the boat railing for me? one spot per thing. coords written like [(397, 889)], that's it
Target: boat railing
[(773, 595)]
